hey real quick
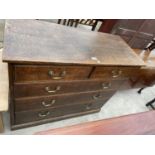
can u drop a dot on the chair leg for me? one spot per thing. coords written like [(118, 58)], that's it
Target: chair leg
[(140, 90), (59, 21), (64, 22), (72, 21), (94, 26), (76, 22), (150, 104), (68, 23)]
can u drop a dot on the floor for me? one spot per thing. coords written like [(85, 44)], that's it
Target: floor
[(122, 103)]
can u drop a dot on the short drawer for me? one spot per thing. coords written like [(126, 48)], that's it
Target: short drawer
[(63, 87), (47, 72), (34, 103), (55, 113), (115, 72)]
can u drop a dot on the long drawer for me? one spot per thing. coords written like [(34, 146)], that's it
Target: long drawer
[(33, 103), (115, 72), (50, 72), (24, 117), (61, 87)]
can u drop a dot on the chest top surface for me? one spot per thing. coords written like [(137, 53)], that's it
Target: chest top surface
[(35, 41)]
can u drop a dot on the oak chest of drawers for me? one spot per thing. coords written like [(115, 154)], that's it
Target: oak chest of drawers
[(57, 72)]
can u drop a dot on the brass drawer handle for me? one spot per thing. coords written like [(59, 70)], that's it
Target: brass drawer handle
[(96, 97), (43, 114), (116, 73), (48, 104), (62, 75), (106, 85), (52, 91)]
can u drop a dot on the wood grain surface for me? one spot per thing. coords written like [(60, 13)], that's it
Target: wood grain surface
[(55, 113), (74, 86), (43, 42), (41, 72), (135, 124), (33, 103)]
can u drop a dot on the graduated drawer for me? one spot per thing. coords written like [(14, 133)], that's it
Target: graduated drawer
[(50, 72), (115, 72), (34, 103), (52, 88), (56, 113)]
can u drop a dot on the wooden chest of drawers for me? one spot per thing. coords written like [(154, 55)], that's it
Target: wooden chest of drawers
[(57, 72)]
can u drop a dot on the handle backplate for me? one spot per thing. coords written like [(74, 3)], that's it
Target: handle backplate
[(106, 85), (49, 90), (54, 77), (43, 114), (116, 73), (48, 104)]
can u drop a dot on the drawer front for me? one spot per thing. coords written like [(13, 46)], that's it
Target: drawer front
[(23, 117), (115, 72), (39, 72), (41, 89), (34, 103)]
